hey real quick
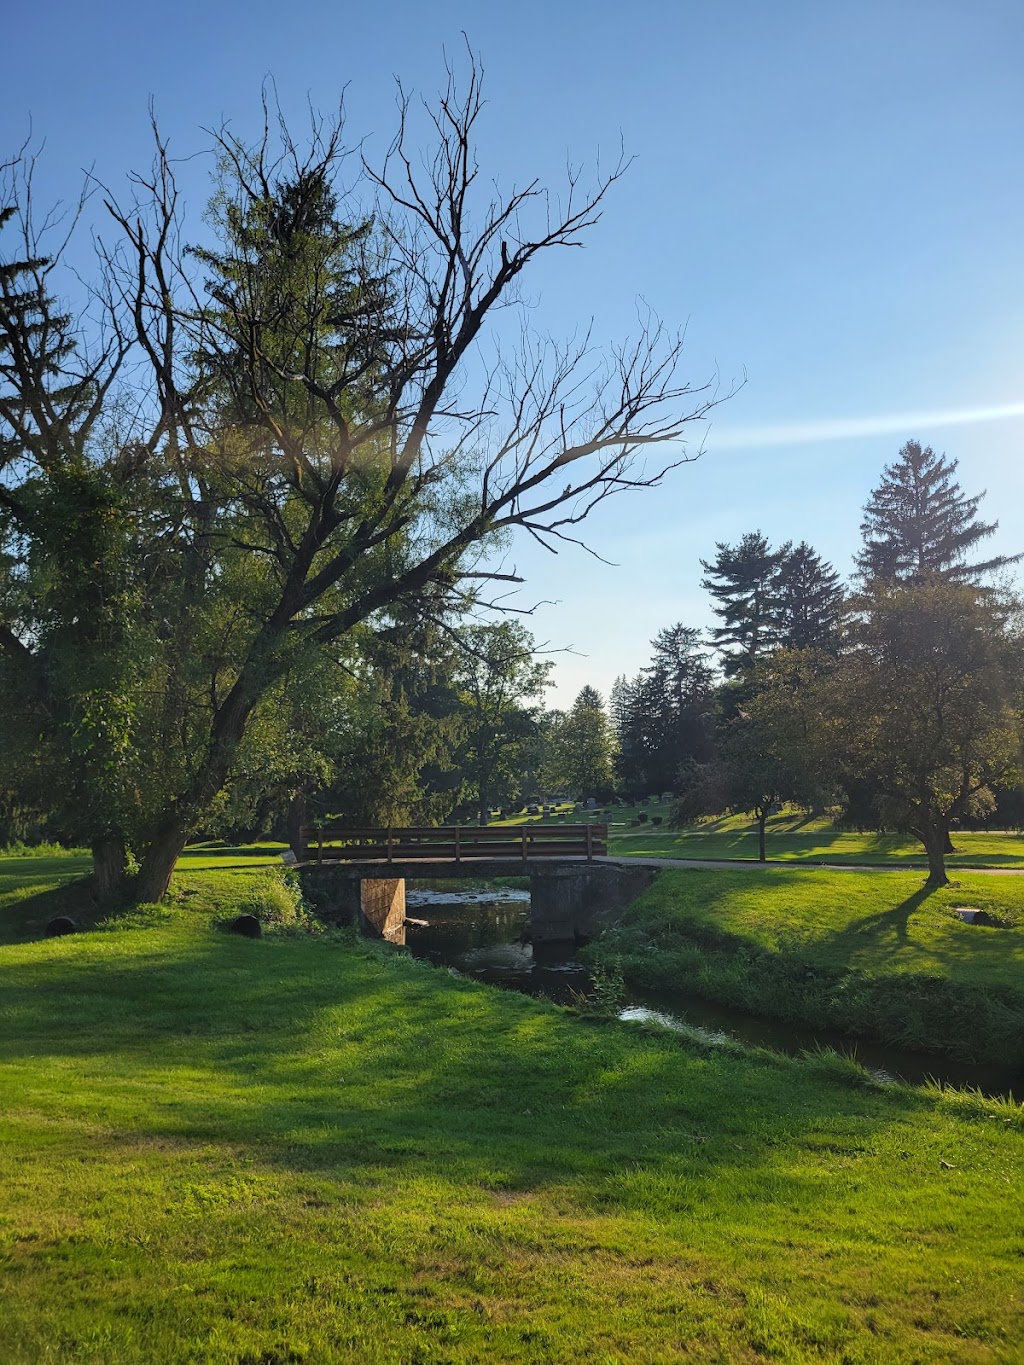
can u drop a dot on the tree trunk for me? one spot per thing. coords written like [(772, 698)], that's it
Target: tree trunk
[(296, 820), (163, 853), (935, 841), (949, 844), (761, 818), (110, 869)]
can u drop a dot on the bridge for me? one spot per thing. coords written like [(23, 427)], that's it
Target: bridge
[(360, 874)]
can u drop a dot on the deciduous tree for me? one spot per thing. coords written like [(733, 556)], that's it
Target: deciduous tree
[(926, 705), (247, 453)]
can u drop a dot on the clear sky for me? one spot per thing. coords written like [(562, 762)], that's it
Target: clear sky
[(829, 195)]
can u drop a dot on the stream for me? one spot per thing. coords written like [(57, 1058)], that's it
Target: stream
[(480, 934)]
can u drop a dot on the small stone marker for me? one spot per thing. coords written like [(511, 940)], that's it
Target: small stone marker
[(246, 925), (63, 924), (968, 915), (288, 858)]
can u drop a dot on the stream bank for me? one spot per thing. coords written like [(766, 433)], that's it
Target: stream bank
[(482, 934)]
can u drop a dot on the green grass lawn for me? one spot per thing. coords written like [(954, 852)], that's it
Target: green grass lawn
[(300, 1149), (793, 835), (873, 953)]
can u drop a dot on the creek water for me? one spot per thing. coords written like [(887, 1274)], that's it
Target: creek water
[(481, 935)]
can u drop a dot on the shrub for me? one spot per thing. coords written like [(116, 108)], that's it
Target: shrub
[(642, 816), (655, 819), (274, 900)]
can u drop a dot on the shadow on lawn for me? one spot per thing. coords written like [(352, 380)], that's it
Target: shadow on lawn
[(25, 911), (894, 920), (315, 1059)]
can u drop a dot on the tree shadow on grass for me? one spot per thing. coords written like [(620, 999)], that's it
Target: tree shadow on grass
[(25, 912), (894, 920), (317, 1059)]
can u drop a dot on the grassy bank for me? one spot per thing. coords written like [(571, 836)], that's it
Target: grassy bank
[(871, 954), (293, 1149)]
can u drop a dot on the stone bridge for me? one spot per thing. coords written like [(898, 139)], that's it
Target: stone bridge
[(570, 898)]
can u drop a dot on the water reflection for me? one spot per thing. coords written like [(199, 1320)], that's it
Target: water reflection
[(484, 935)]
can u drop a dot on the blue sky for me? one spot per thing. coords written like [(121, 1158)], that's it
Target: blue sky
[(829, 196)]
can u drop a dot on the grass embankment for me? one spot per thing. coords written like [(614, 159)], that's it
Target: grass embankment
[(295, 1149), (873, 954)]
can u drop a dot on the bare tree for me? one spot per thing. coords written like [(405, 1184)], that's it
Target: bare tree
[(310, 404)]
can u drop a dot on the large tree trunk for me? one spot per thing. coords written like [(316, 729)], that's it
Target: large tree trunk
[(110, 869), (157, 866), (935, 840), (761, 818)]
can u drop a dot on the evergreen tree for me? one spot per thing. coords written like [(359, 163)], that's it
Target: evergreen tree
[(681, 677), (809, 601), (918, 521), (589, 698), (662, 718), (637, 720), (743, 580)]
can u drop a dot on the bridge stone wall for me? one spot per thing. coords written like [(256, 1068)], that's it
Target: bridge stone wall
[(382, 908), (569, 901), (573, 903)]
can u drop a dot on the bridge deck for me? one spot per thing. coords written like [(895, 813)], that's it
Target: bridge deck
[(527, 844), (374, 869)]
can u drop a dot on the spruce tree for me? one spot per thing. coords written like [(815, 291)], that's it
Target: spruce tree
[(809, 601), (743, 580), (919, 522), (635, 710), (681, 676)]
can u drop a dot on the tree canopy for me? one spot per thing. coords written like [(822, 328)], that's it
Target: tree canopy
[(249, 455)]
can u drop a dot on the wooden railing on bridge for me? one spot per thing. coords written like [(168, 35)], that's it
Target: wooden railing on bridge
[(453, 843)]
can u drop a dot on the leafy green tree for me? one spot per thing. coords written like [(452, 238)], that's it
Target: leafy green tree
[(501, 685), (769, 748), (583, 748), (270, 447), (918, 521), (925, 705)]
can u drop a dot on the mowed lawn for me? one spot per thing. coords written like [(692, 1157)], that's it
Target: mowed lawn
[(874, 954), (794, 836), (877, 923), (300, 1149)]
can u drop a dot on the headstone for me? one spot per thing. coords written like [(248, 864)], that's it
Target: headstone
[(246, 925), (968, 915), (288, 858), (61, 925)]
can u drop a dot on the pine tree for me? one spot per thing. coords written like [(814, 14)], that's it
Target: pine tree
[(743, 580), (809, 601), (918, 521)]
